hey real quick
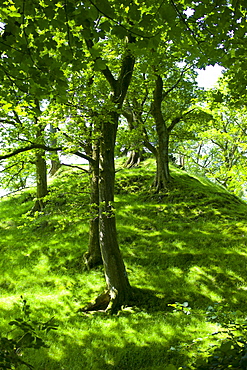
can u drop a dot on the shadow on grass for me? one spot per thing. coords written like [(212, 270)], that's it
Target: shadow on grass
[(191, 250), (99, 348)]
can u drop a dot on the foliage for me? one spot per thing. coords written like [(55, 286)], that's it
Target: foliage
[(181, 307), (230, 340), (80, 56), (25, 333), (218, 149)]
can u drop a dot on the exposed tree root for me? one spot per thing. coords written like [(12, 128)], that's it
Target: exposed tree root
[(140, 299), (100, 304), (104, 302), (38, 206)]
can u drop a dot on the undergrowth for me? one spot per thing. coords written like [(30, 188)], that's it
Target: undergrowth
[(184, 245)]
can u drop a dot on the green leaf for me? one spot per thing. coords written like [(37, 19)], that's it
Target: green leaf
[(225, 347), (105, 8), (11, 323), (119, 31), (99, 65), (95, 52), (134, 12), (168, 13), (146, 21), (105, 26), (26, 339)]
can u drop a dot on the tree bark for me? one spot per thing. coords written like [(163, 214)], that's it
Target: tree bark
[(115, 272), (41, 181), (41, 168), (135, 155), (93, 255), (163, 177), (116, 277), (134, 158), (55, 165), (55, 162)]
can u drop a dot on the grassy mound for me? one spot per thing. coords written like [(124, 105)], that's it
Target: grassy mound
[(187, 245)]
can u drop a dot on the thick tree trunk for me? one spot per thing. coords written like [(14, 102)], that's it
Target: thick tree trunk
[(41, 181), (93, 255), (135, 156), (115, 272)]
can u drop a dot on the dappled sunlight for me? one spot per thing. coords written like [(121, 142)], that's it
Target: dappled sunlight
[(178, 247)]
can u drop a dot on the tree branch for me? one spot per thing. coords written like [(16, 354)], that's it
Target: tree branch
[(73, 166), (165, 93), (177, 119), (46, 148), (106, 72)]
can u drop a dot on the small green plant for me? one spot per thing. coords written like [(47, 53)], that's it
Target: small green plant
[(25, 333), (181, 307), (229, 350)]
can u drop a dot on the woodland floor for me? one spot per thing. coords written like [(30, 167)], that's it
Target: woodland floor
[(187, 245)]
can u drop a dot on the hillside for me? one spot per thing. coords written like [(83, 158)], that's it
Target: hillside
[(187, 245)]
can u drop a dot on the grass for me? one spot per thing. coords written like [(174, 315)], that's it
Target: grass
[(185, 245)]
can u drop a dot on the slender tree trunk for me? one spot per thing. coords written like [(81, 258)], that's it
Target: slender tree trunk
[(55, 162), (55, 165), (93, 255), (41, 181), (40, 163), (163, 178), (115, 273)]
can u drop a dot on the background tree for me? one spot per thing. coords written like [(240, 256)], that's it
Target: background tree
[(23, 124), (43, 42), (152, 120), (219, 149)]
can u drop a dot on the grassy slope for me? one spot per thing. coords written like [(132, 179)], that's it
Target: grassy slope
[(187, 245)]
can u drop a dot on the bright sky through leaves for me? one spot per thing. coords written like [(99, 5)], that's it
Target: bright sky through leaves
[(208, 78)]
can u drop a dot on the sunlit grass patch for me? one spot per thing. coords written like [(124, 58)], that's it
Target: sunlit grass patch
[(186, 245)]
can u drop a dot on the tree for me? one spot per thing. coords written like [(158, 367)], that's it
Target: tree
[(170, 105), (219, 149), (43, 42), (55, 161), (26, 126)]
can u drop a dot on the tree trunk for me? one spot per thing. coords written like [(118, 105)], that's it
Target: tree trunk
[(135, 156), (55, 165), (41, 181), (93, 255), (134, 159), (55, 162), (40, 163), (115, 273), (163, 178)]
